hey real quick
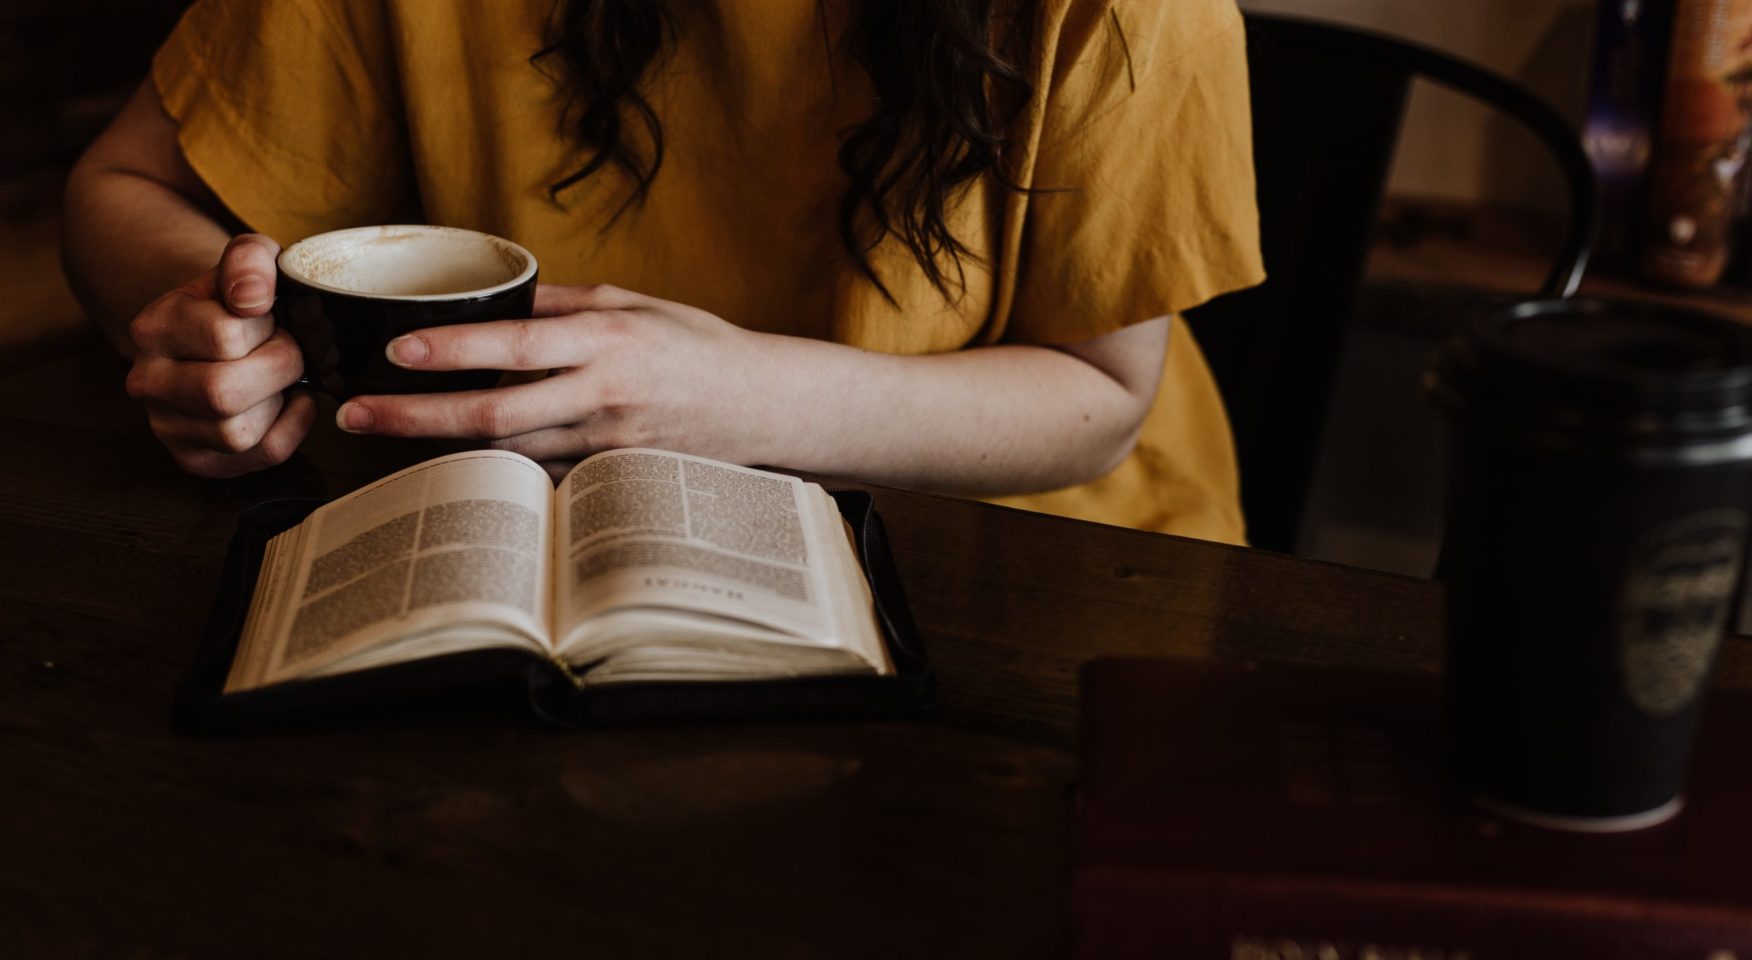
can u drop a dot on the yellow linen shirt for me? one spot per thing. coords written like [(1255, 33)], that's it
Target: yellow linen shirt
[(312, 115)]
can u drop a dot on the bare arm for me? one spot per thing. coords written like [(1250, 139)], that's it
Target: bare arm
[(988, 421), (148, 252), (632, 370), (138, 219)]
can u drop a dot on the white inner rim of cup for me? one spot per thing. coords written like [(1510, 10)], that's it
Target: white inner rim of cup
[(408, 262)]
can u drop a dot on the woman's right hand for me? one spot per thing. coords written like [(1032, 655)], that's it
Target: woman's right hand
[(212, 369)]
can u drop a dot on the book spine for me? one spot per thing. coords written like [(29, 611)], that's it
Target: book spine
[(1701, 153), (1631, 39), (1122, 913)]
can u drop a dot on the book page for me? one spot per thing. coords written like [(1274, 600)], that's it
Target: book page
[(458, 543), (646, 528), (634, 644)]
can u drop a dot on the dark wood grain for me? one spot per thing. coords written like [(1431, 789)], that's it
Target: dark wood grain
[(472, 831)]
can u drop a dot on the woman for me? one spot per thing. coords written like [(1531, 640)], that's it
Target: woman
[(931, 243)]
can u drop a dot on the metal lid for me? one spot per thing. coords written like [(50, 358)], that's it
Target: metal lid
[(1607, 370)]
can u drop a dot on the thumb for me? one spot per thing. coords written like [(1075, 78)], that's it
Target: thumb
[(245, 278)]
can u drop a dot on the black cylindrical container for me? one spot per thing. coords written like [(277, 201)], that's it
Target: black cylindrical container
[(1599, 485)]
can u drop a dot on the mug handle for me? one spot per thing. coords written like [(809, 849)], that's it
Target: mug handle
[(301, 317)]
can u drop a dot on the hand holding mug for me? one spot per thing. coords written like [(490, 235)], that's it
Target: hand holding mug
[(622, 370), (345, 294), (211, 367), (215, 358)]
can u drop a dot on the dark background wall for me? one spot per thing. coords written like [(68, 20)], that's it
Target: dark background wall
[(65, 65)]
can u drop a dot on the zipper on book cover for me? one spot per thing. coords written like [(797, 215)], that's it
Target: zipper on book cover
[(566, 671)]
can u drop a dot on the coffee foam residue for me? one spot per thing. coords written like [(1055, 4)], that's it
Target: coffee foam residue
[(403, 262)]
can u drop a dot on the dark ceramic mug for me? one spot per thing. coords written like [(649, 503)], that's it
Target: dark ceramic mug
[(346, 294)]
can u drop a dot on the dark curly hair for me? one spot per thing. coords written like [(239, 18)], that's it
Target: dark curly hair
[(947, 88)]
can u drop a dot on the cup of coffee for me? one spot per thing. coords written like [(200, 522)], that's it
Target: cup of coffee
[(1600, 479), (346, 294)]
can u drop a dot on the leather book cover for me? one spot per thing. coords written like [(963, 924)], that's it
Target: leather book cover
[(1286, 812), (496, 678)]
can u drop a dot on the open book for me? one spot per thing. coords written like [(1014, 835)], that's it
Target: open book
[(642, 566)]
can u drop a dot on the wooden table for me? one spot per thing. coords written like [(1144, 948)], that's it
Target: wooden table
[(475, 833)]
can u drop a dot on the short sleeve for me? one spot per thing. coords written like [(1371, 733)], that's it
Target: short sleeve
[(1143, 201), (287, 109)]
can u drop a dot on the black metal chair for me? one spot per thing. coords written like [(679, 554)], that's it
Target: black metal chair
[(1327, 107)]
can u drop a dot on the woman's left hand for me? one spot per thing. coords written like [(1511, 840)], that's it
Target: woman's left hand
[(627, 370)]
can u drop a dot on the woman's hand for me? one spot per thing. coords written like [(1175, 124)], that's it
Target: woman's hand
[(634, 371), (210, 367), (627, 370)]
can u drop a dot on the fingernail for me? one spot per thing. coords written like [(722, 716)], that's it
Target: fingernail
[(248, 292), (408, 350), (353, 418)]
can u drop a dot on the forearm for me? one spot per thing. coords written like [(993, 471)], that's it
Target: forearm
[(135, 224), (629, 370), (127, 240), (994, 420)]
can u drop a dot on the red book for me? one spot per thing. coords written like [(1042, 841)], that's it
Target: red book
[(1279, 812)]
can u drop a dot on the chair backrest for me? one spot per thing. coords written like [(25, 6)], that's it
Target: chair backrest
[(1327, 106)]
